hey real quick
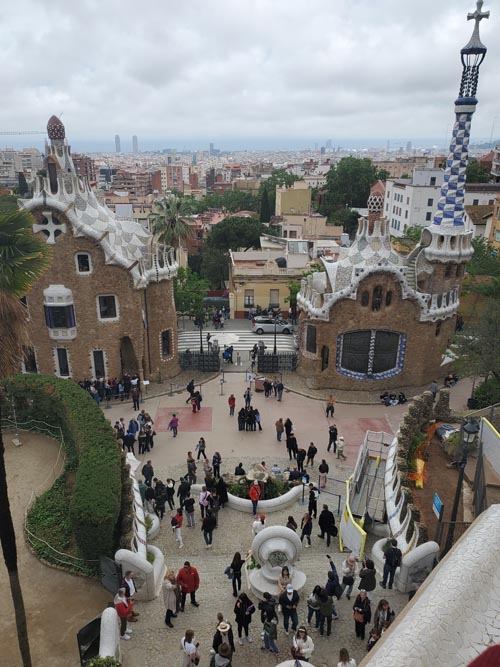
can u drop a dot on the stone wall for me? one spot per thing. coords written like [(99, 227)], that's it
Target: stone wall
[(423, 348)]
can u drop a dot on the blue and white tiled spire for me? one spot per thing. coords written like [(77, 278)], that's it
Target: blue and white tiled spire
[(448, 220), (451, 202)]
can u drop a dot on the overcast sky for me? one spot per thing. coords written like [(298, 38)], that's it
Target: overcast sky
[(245, 69)]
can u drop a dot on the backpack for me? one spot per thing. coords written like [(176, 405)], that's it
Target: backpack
[(397, 558)]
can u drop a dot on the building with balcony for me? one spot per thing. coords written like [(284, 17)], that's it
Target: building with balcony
[(105, 306), (495, 165)]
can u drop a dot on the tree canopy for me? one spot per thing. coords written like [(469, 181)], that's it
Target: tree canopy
[(189, 291), (348, 184), (485, 260), (230, 234), (477, 173), (167, 223)]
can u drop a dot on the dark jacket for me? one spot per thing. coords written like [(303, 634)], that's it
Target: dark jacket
[(364, 607), (291, 443), (326, 522), (147, 471), (289, 604), (209, 523), (218, 640), (183, 489), (368, 579), (307, 526), (240, 611), (301, 453), (332, 586), (189, 505), (393, 557)]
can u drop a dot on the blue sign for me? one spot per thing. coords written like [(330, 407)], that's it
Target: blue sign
[(437, 506)]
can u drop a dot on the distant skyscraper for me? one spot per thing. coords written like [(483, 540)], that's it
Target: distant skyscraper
[(408, 146), (118, 145), (211, 149), (328, 143), (135, 144)]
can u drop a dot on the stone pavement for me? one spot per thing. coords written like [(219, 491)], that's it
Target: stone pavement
[(154, 645)]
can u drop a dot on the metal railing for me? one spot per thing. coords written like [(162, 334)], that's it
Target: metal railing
[(442, 532), (207, 362), (267, 362)]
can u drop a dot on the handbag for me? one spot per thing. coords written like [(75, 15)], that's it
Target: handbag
[(359, 616), (348, 580), (197, 660)]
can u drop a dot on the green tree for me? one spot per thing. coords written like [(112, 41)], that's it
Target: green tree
[(414, 233), (22, 186), (265, 210), (485, 260), (347, 218), (189, 291), (23, 258), (167, 223), (8, 203), (477, 173), (348, 184), (230, 234)]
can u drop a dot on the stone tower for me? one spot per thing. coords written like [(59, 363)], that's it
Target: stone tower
[(376, 319)]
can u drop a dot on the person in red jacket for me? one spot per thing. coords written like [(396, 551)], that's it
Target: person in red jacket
[(189, 581), (123, 608), (254, 494), (231, 402)]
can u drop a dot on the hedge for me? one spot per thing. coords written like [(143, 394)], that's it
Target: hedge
[(91, 452)]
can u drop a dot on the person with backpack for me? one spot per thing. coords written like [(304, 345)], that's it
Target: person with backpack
[(393, 558), (183, 490), (313, 500), (326, 523)]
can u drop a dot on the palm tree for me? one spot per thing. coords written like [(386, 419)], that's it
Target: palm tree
[(23, 257), (167, 223)]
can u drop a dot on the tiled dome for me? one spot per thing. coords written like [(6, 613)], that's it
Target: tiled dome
[(55, 129)]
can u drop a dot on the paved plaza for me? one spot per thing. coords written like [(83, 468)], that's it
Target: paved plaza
[(153, 644)]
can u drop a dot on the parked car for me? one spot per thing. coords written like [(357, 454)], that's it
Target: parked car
[(261, 325)]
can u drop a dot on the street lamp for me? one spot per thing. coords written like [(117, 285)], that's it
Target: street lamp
[(200, 325), (470, 429), (275, 350)]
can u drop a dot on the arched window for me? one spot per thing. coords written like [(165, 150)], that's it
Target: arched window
[(370, 353), (377, 298), (458, 272), (438, 328), (365, 298), (447, 272), (388, 298)]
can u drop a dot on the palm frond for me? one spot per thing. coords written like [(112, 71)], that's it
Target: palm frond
[(166, 222), (13, 333), (23, 256)]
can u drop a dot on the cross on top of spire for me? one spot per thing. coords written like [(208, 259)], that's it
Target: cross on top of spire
[(475, 45)]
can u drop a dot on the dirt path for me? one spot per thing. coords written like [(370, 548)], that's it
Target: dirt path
[(57, 604)]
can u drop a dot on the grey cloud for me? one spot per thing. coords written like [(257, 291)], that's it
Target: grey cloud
[(351, 68)]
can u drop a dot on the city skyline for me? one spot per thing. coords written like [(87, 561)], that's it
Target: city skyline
[(279, 73)]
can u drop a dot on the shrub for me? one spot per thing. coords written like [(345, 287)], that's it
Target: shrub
[(487, 393), (103, 662), (91, 451), (273, 488)]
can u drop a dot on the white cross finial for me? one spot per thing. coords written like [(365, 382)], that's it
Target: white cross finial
[(478, 15), (49, 227)]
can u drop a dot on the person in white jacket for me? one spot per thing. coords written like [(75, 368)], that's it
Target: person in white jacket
[(302, 645), (348, 575), (259, 524)]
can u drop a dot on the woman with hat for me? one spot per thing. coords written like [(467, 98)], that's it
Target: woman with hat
[(171, 597), (224, 635), (302, 645), (222, 658)]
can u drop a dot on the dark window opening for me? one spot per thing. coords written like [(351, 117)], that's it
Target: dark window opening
[(83, 261), (447, 271), (458, 272), (377, 298), (325, 354), (51, 167), (165, 343), (99, 368), (370, 352), (365, 298), (60, 317), (311, 339), (107, 307), (30, 365), (388, 298), (438, 328), (62, 361)]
